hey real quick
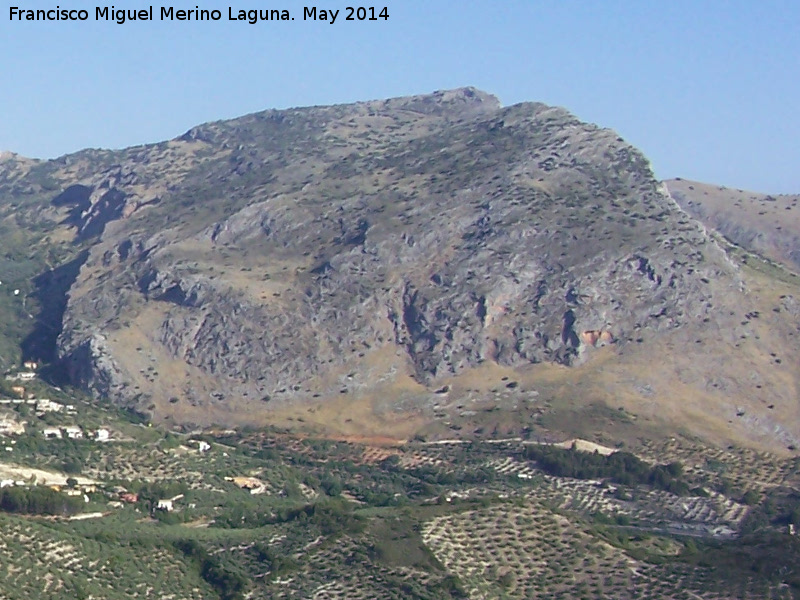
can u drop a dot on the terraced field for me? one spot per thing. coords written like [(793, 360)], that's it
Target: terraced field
[(37, 562), (743, 468), (342, 520), (343, 570), (524, 550)]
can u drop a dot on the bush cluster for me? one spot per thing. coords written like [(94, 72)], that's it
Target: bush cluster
[(620, 467)]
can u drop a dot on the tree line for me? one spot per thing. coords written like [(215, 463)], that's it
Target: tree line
[(38, 500)]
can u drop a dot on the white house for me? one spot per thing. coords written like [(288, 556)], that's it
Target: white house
[(44, 405), (52, 433), (73, 432), (168, 505), (102, 435)]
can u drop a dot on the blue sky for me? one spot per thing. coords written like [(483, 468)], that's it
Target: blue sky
[(709, 90)]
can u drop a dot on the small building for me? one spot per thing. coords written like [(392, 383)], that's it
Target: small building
[(202, 446), (31, 365), (102, 435), (18, 390), (168, 504), (51, 433), (73, 432), (129, 497), (45, 405)]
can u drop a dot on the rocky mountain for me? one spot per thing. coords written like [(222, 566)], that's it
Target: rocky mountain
[(389, 267)]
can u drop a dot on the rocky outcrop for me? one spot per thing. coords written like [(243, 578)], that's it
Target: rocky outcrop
[(597, 338)]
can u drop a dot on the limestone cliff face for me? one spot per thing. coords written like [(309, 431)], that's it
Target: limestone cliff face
[(254, 258)]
